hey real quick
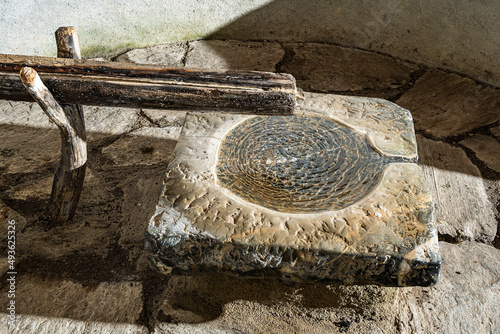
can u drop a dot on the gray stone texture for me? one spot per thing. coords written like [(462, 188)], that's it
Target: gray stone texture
[(48, 325), (486, 148), (234, 55), (210, 54), (463, 210), (165, 118), (446, 104), (167, 55), (117, 302), (496, 131), (330, 68), (466, 300), (145, 146)]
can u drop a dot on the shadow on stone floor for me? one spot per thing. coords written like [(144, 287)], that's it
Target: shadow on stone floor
[(94, 268)]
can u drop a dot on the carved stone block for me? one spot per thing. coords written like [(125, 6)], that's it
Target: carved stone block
[(331, 193)]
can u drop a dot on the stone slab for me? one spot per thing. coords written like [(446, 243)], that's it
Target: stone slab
[(496, 131), (28, 324), (168, 55), (145, 146), (331, 68), (28, 114), (256, 196), (165, 118), (236, 55), (446, 104), (104, 122), (463, 210), (486, 148), (466, 300), (115, 302)]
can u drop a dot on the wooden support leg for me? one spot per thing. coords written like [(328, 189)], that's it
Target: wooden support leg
[(68, 181), (69, 177)]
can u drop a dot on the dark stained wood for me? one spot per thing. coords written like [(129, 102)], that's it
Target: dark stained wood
[(69, 176), (126, 85)]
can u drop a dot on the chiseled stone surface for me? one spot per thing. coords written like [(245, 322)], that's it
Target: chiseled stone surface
[(236, 55), (331, 68), (466, 300), (446, 104), (463, 210), (387, 236), (486, 149)]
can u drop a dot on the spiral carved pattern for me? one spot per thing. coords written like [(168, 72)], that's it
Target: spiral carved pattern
[(298, 164)]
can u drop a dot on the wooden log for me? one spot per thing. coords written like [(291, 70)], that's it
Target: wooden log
[(66, 187), (129, 85)]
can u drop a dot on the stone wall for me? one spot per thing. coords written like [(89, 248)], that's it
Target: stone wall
[(457, 35)]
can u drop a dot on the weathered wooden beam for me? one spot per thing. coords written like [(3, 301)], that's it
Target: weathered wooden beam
[(128, 85)]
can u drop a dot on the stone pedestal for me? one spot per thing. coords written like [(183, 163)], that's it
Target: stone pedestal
[(332, 193)]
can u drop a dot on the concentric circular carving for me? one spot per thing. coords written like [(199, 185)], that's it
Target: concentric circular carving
[(298, 164)]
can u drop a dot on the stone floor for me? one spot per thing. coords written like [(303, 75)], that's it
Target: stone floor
[(91, 275)]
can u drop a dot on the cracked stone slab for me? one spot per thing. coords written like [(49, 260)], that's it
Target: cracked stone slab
[(236, 55), (466, 300), (145, 146), (103, 122), (445, 104), (463, 211), (486, 148), (30, 122), (330, 68), (168, 55), (237, 197), (165, 118)]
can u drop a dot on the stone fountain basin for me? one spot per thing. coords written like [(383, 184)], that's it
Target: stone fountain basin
[(332, 193)]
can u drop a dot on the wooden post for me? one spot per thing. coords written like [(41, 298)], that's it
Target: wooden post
[(68, 181), (69, 177)]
